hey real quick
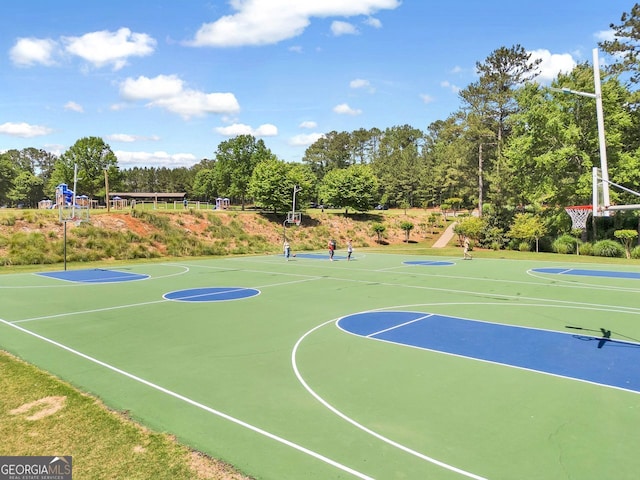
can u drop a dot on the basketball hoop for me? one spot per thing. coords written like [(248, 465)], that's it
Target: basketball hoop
[(579, 215), (294, 217)]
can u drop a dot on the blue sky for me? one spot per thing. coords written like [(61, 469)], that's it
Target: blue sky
[(164, 82)]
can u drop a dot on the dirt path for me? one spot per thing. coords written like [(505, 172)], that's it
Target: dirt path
[(446, 237)]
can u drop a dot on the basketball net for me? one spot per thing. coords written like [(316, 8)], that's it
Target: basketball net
[(579, 215)]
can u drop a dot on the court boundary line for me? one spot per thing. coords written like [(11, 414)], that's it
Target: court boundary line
[(358, 425), (464, 292), (404, 448), (68, 284), (572, 282), (133, 305), (493, 362), (547, 282), (194, 403)]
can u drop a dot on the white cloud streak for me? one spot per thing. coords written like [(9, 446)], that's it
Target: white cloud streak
[(169, 92), (127, 138), (345, 109), (266, 130), (74, 107), (261, 22), (426, 98), (24, 130), (308, 124), (339, 28), (304, 140), (155, 159)]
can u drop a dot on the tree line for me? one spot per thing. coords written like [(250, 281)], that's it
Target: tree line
[(513, 143)]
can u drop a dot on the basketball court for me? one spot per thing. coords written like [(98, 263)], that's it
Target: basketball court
[(387, 366)]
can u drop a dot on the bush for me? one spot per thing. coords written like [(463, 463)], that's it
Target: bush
[(565, 244), (635, 252), (524, 247), (608, 248), (586, 249)]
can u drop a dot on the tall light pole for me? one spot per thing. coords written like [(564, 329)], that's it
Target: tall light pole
[(600, 118), (296, 189)]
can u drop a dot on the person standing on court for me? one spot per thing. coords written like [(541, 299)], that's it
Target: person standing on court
[(286, 249), (465, 249), (349, 249), (332, 247)]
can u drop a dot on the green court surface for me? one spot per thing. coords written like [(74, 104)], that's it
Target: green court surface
[(269, 383)]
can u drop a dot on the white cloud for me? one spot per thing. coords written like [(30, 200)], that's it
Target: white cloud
[(605, 35), (426, 98), (168, 92), (362, 83), (154, 159), (260, 22), (456, 69), (144, 88), (552, 64), (308, 124), (24, 130), (30, 51), (100, 48), (359, 83), (192, 103), (55, 148), (450, 86), (339, 28), (345, 109), (127, 138), (266, 130), (74, 107), (304, 140), (296, 49), (110, 48), (373, 22)]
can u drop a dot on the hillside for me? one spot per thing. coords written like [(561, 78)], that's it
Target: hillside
[(37, 237)]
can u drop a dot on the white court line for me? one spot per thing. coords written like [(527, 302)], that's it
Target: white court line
[(393, 443), (199, 405), (399, 326), (83, 312), (473, 293), (133, 305), (399, 270), (493, 362), (70, 284), (573, 282)]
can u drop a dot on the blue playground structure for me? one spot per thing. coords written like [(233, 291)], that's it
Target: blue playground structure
[(64, 196), (66, 199)]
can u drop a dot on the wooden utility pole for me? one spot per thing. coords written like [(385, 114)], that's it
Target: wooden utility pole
[(106, 189)]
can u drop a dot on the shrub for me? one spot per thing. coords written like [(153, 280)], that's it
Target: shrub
[(608, 248), (586, 249), (9, 221), (524, 247), (635, 252), (565, 244)]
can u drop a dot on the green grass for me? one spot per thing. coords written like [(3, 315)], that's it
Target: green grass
[(195, 370), (104, 444)]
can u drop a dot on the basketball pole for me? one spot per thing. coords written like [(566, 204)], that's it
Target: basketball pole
[(64, 241)]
